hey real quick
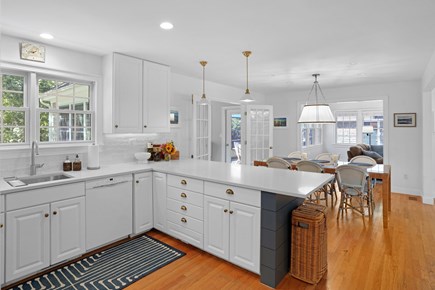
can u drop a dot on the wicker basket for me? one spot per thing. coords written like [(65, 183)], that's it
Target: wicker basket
[(308, 248)]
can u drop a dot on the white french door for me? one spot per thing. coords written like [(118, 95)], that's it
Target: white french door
[(233, 142), (258, 140), (201, 130)]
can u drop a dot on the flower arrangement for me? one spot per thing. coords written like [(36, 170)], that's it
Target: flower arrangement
[(168, 148)]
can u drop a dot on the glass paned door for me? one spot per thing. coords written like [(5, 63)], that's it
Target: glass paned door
[(259, 133), (233, 133), (201, 130)]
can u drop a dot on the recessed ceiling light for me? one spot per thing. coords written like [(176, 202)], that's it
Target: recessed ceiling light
[(46, 36), (166, 25)]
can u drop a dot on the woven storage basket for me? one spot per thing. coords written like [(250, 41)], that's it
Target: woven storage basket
[(308, 248)]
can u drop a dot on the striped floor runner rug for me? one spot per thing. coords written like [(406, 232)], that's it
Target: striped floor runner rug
[(115, 268)]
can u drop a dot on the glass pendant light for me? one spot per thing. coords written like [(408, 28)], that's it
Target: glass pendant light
[(316, 113), (203, 100), (247, 98)]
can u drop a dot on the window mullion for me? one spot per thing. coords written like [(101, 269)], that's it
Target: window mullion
[(33, 126)]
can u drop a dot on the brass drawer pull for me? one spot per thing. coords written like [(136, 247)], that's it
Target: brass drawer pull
[(1, 226), (183, 182), (183, 207), (183, 194), (183, 220), (229, 191)]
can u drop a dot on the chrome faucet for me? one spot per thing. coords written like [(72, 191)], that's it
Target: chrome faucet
[(33, 166)]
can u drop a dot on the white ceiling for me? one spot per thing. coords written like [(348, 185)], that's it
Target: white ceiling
[(349, 42)]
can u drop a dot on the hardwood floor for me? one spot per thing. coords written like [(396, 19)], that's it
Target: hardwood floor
[(361, 255)]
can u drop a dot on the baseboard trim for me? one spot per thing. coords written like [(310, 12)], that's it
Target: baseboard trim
[(429, 200), (406, 190)]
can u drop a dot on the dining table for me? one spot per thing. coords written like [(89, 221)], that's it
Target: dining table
[(378, 171)]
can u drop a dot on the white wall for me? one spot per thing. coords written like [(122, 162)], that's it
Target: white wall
[(115, 148), (402, 145)]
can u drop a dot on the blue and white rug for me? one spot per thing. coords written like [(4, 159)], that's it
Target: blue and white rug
[(115, 268)]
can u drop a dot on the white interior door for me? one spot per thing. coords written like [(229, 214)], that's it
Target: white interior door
[(201, 130), (233, 124), (258, 140)]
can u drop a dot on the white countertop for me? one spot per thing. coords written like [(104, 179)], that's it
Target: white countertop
[(280, 181)]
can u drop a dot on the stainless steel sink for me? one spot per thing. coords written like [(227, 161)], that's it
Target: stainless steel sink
[(22, 181)]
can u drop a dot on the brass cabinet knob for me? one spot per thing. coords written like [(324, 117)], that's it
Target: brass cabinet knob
[(183, 194), (1, 226), (137, 181), (231, 212), (225, 210), (229, 191), (116, 126), (183, 207), (183, 220), (46, 215), (144, 126), (55, 213), (183, 182)]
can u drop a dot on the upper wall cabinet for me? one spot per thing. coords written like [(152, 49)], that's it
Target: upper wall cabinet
[(136, 95)]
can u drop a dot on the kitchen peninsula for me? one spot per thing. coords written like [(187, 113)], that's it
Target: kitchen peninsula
[(239, 213)]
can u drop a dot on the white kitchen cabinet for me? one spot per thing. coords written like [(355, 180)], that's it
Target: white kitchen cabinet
[(245, 236), (67, 229), (128, 94), (232, 232), (216, 226), (27, 241), (2, 245), (159, 200), (143, 202), (137, 94)]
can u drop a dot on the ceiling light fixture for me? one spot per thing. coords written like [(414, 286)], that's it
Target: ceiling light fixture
[(203, 100), (46, 36), (316, 113), (247, 98), (166, 25)]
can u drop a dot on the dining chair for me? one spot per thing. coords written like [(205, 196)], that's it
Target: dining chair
[(295, 154), (276, 162), (362, 159), (324, 156), (352, 182), (310, 166)]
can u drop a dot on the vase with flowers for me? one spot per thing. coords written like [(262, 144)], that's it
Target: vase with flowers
[(168, 150)]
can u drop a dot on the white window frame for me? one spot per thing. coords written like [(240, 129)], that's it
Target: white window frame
[(358, 125), (32, 93), (25, 108), (318, 131), (371, 112)]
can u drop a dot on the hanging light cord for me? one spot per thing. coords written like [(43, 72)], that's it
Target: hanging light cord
[(203, 80), (247, 84), (316, 87)]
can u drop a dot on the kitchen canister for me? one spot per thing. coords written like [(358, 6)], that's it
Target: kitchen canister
[(93, 157)]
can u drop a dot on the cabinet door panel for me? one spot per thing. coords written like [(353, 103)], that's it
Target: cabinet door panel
[(143, 202), (159, 200), (245, 236), (27, 241), (216, 227), (2, 244), (127, 94), (156, 97), (67, 229)]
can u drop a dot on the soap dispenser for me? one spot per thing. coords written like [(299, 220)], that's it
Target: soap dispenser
[(77, 164), (67, 164)]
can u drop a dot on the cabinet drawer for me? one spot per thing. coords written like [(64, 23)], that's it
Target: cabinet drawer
[(44, 195), (186, 196), (186, 235), (186, 183), (185, 208), (233, 193), (185, 221)]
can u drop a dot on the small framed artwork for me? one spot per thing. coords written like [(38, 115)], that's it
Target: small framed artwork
[(174, 117), (405, 119), (280, 122)]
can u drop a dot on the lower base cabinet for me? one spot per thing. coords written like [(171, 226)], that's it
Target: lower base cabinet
[(142, 202), (232, 232), (32, 245), (2, 244), (159, 201)]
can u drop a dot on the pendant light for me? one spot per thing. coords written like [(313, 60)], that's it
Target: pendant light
[(247, 98), (203, 100), (316, 113)]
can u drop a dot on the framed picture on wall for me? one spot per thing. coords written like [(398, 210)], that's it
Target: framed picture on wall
[(405, 119), (280, 122), (174, 117)]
